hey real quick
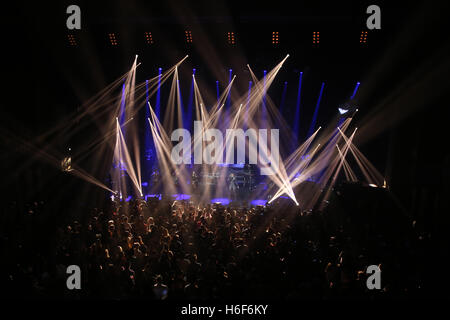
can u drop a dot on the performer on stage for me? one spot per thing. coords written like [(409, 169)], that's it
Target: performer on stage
[(175, 177), (248, 177), (155, 177), (194, 180), (233, 186), (250, 182)]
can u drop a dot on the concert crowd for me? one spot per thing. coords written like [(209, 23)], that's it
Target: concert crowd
[(166, 250)]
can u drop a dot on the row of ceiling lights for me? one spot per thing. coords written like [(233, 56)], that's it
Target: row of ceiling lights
[(231, 39)]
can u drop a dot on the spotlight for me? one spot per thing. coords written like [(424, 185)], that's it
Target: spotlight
[(66, 164), (348, 109)]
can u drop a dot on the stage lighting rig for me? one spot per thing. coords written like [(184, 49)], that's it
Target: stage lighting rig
[(66, 163), (347, 109)]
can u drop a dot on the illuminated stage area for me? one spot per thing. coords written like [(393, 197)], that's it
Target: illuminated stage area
[(241, 147)]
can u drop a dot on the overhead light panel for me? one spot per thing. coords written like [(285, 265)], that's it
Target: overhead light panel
[(72, 40), (113, 39), (148, 37), (188, 35), (275, 37), (231, 38), (316, 37)]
